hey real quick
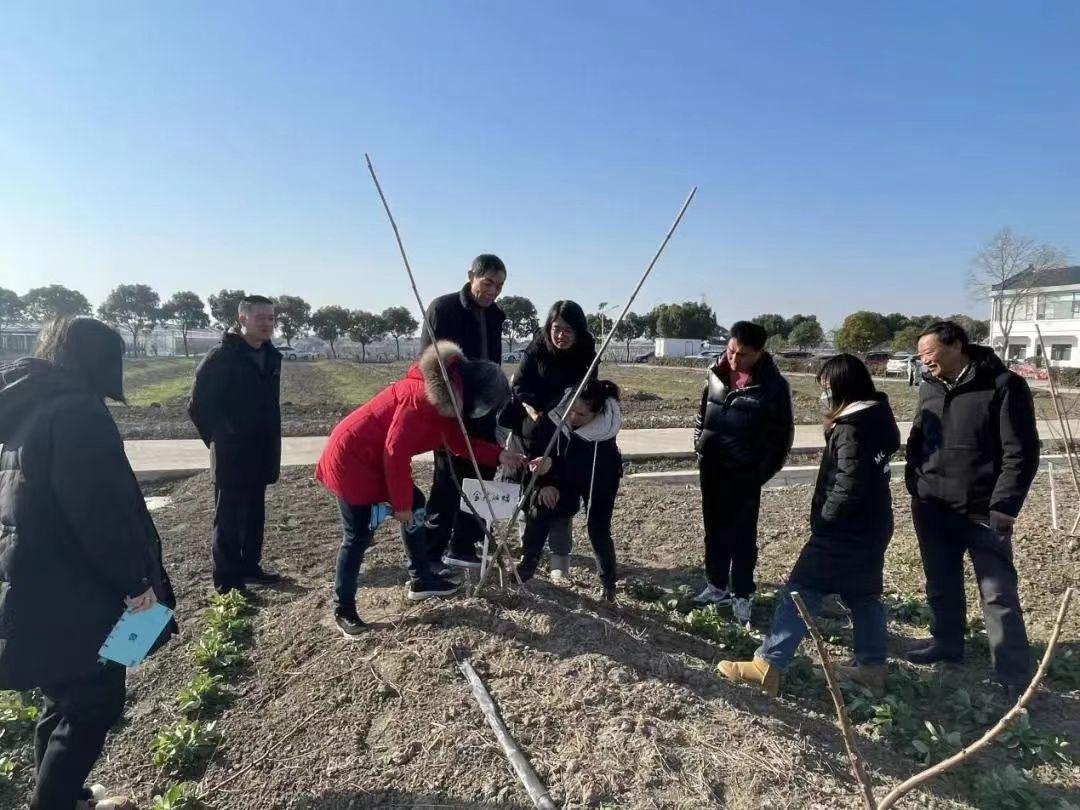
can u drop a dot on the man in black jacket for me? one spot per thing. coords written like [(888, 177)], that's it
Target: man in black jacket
[(471, 319), (971, 457), (235, 407), (744, 431), (77, 546)]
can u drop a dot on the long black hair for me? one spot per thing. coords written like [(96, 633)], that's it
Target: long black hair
[(597, 392), (90, 349), (574, 315), (848, 381)]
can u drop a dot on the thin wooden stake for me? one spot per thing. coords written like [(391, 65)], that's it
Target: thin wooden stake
[(1053, 497), (520, 763), (865, 785), (906, 787), (1066, 429), (588, 374)]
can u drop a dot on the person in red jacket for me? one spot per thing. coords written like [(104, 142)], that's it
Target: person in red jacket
[(367, 464)]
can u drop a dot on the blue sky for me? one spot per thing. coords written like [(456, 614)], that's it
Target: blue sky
[(849, 155)]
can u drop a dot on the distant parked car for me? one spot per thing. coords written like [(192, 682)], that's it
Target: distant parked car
[(644, 358), (898, 363), (289, 353), (877, 358), (515, 356), (796, 354), (709, 354)]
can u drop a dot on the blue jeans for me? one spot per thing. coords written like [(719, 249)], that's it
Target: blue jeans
[(867, 614), (356, 533)]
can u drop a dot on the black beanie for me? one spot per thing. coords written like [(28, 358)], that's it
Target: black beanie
[(485, 387)]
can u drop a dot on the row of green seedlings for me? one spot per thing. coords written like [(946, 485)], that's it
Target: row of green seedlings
[(219, 658), (18, 716), (893, 718)]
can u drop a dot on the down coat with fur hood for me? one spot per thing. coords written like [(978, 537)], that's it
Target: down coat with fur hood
[(368, 457)]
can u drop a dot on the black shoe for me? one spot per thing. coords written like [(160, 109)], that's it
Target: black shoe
[(260, 576), (933, 654), (523, 574), (224, 589), (350, 625), (607, 593), (434, 587)]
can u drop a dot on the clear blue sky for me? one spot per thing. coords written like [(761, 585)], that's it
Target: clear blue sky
[(849, 155)]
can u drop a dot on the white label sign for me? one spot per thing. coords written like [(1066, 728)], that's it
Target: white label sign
[(503, 496)]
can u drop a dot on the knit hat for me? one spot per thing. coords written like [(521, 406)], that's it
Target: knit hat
[(485, 387)]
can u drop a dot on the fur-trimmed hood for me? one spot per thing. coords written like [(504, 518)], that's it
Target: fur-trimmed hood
[(435, 387)]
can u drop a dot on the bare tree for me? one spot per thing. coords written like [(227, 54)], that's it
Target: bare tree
[(1007, 272)]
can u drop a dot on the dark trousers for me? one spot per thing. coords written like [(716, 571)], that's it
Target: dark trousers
[(239, 518), (356, 533), (71, 732), (599, 523), (730, 510), (459, 530), (944, 537)]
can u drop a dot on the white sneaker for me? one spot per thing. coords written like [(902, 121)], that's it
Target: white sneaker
[(713, 596), (740, 609), (559, 577)]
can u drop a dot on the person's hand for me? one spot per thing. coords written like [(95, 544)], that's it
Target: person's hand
[(512, 461), (1001, 523), (549, 497), (144, 601), (532, 412), (405, 516), (540, 466)]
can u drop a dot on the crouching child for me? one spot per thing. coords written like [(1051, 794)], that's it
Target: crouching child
[(851, 524), (367, 465), (586, 467)]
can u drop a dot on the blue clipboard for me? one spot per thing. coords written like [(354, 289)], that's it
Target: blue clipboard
[(134, 634), (379, 513)]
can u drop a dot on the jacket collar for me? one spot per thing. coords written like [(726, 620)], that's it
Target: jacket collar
[(763, 369)]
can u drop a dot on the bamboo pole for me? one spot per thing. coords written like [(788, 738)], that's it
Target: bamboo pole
[(866, 787), (520, 763), (1053, 497), (588, 374), (1066, 429)]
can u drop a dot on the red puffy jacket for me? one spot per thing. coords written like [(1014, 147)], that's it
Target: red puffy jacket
[(368, 458)]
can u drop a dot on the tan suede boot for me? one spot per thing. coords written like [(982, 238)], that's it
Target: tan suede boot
[(871, 676), (757, 672)]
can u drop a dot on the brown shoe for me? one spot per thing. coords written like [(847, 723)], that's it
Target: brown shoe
[(872, 676), (757, 672)]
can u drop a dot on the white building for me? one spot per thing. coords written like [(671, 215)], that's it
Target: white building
[(1053, 302), (677, 347)]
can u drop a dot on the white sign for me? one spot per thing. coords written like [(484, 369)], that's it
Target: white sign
[(504, 498)]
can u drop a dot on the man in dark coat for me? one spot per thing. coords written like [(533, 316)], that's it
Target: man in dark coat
[(235, 405), (77, 544), (471, 319), (745, 428), (971, 457)]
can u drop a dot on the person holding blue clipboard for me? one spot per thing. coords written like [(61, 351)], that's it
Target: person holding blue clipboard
[(78, 554)]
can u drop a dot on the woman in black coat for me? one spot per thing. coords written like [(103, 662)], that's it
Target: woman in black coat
[(77, 548), (851, 524)]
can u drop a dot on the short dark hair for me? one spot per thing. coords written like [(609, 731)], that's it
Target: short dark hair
[(87, 347), (573, 314), (847, 379), (750, 334), (248, 301), (486, 265), (949, 333), (597, 392)]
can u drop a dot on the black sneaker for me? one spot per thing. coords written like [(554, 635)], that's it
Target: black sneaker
[(468, 559), (225, 589), (261, 576), (933, 654), (433, 588), (607, 593), (350, 625), (523, 574)]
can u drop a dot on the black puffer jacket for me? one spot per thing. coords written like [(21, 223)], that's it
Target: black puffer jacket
[(745, 433), (235, 406), (75, 535), (586, 464), (851, 520), (974, 446), (542, 379)]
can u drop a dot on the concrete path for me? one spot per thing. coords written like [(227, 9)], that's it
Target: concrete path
[(154, 459)]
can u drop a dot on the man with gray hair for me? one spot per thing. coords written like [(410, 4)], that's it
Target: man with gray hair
[(471, 319), (235, 405)]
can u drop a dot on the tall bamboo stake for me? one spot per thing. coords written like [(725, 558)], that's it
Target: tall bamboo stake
[(588, 374), (435, 346), (1053, 497), (1066, 430)]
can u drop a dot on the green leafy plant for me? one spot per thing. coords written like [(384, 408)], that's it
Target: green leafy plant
[(234, 601), (202, 694), (935, 743), (215, 652), (733, 638), (908, 609), (803, 679), (226, 620), (7, 769), (1025, 742), (178, 796), (644, 591), (184, 745), (1004, 789), (1065, 669), (972, 711), (16, 717)]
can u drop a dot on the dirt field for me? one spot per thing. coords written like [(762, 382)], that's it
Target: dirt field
[(315, 395), (616, 706)]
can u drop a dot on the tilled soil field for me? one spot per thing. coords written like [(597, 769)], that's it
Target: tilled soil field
[(616, 706)]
